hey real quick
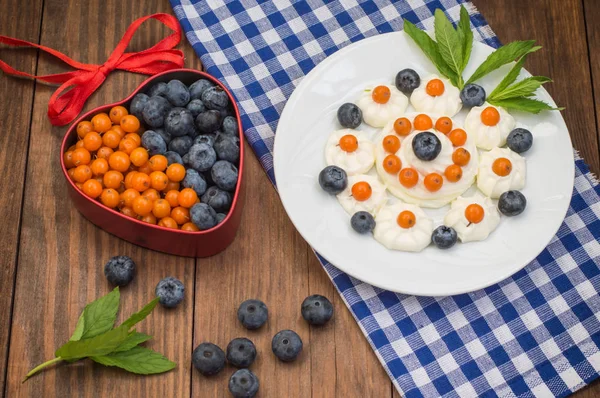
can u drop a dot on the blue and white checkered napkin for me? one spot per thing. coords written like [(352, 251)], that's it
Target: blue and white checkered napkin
[(534, 334)]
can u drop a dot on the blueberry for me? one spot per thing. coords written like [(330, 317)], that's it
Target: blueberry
[(119, 270), (217, 199), (179, 122), (202, 157), (349, 115), (317, 310), (208, 178), (186, 160), (196, 107), (225, 175), (472, 95), (173, 157), (165, 136), (426, 146), (253, 314), (155, 111), (286, 345), (195, 181), (407, 80), (158, 89), (333, 179), (136, 108), (227, 147), (444, 237), (208, 139), (362, 222), (177, 93), (215, 98), (181, 145), (209, 359), (512, 203), (209, 121), (519, 140), (241, 352), (203, 216), (243, 384), (170, 292), (198, 87), (230, 126), (154, 143), (220, 217)]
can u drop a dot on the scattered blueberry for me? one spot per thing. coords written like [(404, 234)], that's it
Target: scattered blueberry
[(225, 175), (407, 80), (202, 157), (197, 88), (349, 115), (209, 121), (333, 179), (220, 217), (519, 140), (243, 384), (241, 352), (119, 270), (203, 216), (173, 157), (177, 93), (512, 203), (362, 222), (317, 310), (215, 98), (208, 139), (253, 314), (230, 126), (158, 89), (179, 122), (426, 146), (170, 292), (155, 111), (472, 95), (227, 147), (165, 136), (217, 199), (194, 180), (208, 359), (136, 108), (181, 145), (196, 107), (286, 345), (154, 143), (444, 237)]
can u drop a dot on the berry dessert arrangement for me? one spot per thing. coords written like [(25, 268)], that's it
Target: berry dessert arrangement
[(170, 159), (424, 159)]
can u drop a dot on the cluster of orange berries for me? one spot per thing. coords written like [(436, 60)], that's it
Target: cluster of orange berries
[(107, 163)]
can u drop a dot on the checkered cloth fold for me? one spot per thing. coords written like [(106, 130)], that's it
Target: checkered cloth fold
[(535, 334)]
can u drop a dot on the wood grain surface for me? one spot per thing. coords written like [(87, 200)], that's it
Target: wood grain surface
[(53, 258)]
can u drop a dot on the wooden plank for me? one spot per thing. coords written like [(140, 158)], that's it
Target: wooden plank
[(592, 19), (62, 255), (16, 117)]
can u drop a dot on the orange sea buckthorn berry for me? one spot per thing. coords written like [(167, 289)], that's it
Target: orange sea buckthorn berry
[(79, 185), (129, 178), (110, 198), (474, 213), (127, 145), (117, 113), (181, 215), (158, 180), (135, 137), (176, 172), (104, 152), (99, 167), (119, 161), (461, 157), (142, 205), (391, 143), (117, 129), (83, 128), (92, 141), (139, 156), (402, 126), (423, 122), (167, 222), (406, 219), (453, 173), (145, 168), (111, 139), (433, 182), (100, 179), (348, 143), (458, 137), (81, 156), (158, 163), (101, 123), (151, 194), (112, 179), (128, 211), (130, 124), (82, 173), (127, 197), (408, 177), (172, 186), (392, 164), (502, 167), (443, 125), (189, 226), (149, 219), (381, 94), (79, 144), (361, 191), (72, 148), (161, 208), (490, 116), (68, 159), (435, 87), (187, 197), (70, 172), (172, 197), (140, 182), (92, 188)]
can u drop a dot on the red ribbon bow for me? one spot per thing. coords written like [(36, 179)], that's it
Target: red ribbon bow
[(68, 100)]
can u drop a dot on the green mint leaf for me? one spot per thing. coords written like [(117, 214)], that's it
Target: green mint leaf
[(97, 317), (101, 344), (523, 88), (448, 44), (131, 341), (524, 104), (143, 313), (510, 77), (502, 56), (465, 35), (430, 49), (138, 360)]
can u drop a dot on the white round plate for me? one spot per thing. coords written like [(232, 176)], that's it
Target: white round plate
[(310, 116)]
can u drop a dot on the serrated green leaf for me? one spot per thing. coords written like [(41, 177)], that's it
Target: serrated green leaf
[(524, 88), (465, 35), (132, 340), (97, 317), (524, 104), (430, 49), (101, 344), (503, 56), (138, 360), (143, 313), (510, 77), (448, 44)]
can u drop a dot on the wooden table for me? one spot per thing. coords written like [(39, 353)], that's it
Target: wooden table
[(52, 258)]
